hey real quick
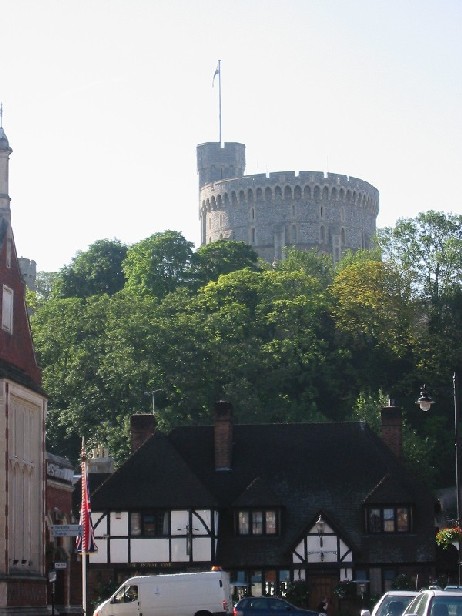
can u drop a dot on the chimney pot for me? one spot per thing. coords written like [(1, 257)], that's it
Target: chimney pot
[(392, 428), (142, 426), (223, 434)]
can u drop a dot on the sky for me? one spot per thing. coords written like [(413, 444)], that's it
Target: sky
[(105, 101)]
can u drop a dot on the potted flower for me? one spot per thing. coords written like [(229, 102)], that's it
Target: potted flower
[(447, 536)]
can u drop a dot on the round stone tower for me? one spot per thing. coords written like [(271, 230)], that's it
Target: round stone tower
[(330, 212)]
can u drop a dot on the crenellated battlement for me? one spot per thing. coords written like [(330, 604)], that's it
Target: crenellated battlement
[(288, 185), (307, 209)]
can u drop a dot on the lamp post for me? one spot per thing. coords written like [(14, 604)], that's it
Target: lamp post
[(152, 394), (425, 401)]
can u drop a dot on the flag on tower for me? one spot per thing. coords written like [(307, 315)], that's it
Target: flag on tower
[(85, 542), (217, 72)]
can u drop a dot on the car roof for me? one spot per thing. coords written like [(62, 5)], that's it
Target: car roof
[(440, 592), (401, 593)]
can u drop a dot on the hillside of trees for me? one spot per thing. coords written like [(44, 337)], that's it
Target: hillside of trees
[(302, 340)]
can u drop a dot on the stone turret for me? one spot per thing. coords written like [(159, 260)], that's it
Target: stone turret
[(5, 152), (215, 162)]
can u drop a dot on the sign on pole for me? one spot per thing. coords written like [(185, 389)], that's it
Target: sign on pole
[(60, 564), (66, 530)]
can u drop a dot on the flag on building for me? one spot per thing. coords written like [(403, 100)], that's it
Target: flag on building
[(217, 72), (85, 542)]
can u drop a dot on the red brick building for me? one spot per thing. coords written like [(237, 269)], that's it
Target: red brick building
[(23, 582)]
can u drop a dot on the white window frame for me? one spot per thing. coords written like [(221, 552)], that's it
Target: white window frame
[(7, 309)]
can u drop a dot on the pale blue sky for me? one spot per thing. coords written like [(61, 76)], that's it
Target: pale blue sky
[(105, 101)]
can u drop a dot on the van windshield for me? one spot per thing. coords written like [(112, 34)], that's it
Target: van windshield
[(126, 594)]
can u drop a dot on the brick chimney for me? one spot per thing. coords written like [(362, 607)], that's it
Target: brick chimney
[(392, 428), (223, 435), (142, 426)]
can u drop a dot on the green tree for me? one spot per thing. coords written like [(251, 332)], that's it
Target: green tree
[(94, 271), (371, 305), (44, 285), (427, 250), (159, 264), (312, 262), (222, 257)]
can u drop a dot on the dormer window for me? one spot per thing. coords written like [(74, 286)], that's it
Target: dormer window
[(389, 519), (257, 522), (7, 309)]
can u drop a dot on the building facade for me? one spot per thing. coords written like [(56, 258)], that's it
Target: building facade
[(311, 209), (271, 504), (23, 583)]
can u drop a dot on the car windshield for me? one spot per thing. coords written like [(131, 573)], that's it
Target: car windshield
[(394, 606), (446, 606)]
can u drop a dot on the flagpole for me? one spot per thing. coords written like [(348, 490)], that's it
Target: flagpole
[(219, 97), (84, 538), (84, 583)]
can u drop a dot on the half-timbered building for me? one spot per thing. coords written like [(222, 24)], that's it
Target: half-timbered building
[(322, 502)]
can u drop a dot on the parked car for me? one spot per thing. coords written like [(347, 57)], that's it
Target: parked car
[(435, 603), (268, 606), (392, 603)]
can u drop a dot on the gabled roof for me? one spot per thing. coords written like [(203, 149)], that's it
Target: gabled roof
[(300, 469), (155, 476), (17, 355)]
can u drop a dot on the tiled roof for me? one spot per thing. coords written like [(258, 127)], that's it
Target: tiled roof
[(259, 493), (155, 475)]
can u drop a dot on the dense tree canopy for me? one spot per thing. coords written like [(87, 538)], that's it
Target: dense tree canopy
[(96, 271), (302, 340), (427, 250), (222, 257), (158, 264)]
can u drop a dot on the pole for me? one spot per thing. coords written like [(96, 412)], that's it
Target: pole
[(82, 522), (84, 582), (52, 598), (219, 98), (456, 446)]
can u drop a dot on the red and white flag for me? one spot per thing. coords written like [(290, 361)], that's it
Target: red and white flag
[(85, 542)]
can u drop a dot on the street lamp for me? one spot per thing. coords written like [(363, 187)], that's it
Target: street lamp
[(152, 393), (425, 401)]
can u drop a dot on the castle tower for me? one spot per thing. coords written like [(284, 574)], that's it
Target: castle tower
[(215, 162), (5, 152), (311, 210)]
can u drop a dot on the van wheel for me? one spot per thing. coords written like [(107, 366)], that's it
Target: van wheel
[(202, 613)]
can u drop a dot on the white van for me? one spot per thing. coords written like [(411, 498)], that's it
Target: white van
[(180, 594)]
